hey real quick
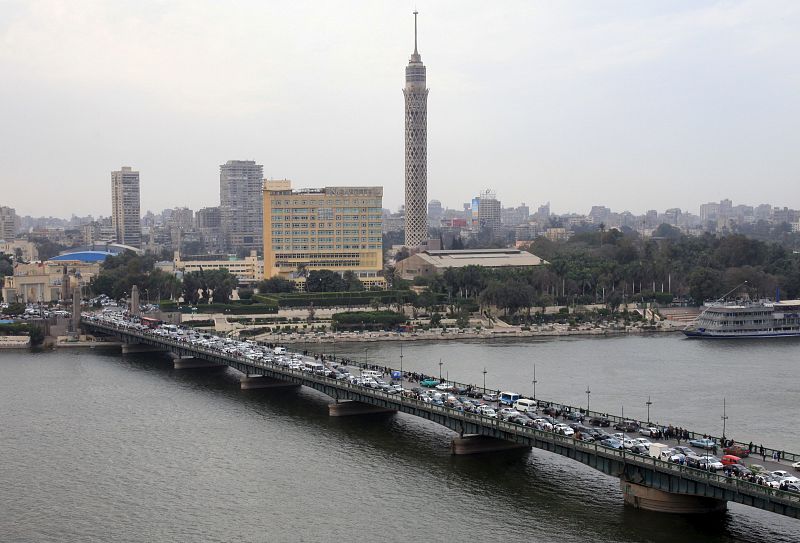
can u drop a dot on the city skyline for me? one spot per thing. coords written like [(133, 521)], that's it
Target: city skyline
[(650, 107)]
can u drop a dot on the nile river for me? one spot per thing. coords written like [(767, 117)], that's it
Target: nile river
[(99, 447)]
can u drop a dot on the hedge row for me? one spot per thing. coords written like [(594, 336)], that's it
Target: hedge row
[(333, 299), (232, 308)]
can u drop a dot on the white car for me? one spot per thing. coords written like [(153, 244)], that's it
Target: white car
[(648, 431), (563, 429), (487, 411), (796, 465)]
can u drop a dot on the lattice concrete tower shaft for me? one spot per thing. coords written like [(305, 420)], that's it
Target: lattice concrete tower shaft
[(416, 95)]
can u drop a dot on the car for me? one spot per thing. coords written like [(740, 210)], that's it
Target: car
[(563, 429), (738, 469), (796, 466), (780, 473), (508, 412), (627, 426), (585, 438), (487, 411), (444, 386), (640, 449), (703, 443), (611, 443), (576, 416), (685, 451), (737, 450), (729, 459), (791, 487), (600, 421), (649, 431), (429, 383), (489, 397)]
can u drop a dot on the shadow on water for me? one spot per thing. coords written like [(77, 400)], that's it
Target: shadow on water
[(536, 484)]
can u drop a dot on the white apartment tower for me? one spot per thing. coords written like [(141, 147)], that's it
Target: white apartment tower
[(125, 210), (416, 97)]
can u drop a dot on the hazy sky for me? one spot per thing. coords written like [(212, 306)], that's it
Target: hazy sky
[(633, 105)]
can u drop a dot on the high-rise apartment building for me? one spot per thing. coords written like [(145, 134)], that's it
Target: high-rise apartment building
[(332, 228), (489, 210), (240, 204), (416, 99), (125, 210), (9, 223)]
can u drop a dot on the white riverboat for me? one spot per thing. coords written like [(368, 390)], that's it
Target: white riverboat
[(746, 319)]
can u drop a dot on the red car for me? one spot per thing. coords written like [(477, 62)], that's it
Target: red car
[(729, 459), (737, 450)]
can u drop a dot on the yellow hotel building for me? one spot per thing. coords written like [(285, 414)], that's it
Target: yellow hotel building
[(332, 228)]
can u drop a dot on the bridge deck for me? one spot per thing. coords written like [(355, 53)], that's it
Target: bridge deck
[(641, 470)]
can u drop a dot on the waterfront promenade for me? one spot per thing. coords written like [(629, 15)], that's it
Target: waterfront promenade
[(646, 482)]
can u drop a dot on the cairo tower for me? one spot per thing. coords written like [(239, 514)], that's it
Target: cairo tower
[(416, 95)]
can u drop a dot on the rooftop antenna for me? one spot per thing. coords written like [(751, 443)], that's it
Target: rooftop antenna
[(415, 31)]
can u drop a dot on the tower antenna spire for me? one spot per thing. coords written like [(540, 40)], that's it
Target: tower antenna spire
[(415, 31)]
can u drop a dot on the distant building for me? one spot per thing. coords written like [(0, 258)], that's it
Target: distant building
[(53, 280), (125, 210), (209, 224), (248, 270), (9, 223), (435, 213), (26, 249), (240, 204), (333, 228), (430, 263), (489, 210)]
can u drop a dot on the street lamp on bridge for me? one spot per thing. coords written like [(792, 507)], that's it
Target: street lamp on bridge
[(440, 370), (648, 403), (534, 381), (724, 418), (588, 393), (484, 380)]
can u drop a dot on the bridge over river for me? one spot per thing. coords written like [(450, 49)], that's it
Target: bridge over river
[(646, 483)]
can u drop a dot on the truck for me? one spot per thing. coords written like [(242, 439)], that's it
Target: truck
[(656, 449)]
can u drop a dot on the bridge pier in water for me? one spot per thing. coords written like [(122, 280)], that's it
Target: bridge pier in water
[(476, 444), (249, 383), (651, 499), (191, 363), (346, 408), (134, 348)]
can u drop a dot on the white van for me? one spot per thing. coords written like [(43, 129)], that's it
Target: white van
[(374, 374), (656, 450), (279, 350), (523, 405)]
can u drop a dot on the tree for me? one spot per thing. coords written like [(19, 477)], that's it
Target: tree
[(221, 283), (324, 281), (275, 285), (436, 320), (704, 284), (352, 282), (193, 287), (14, 309)]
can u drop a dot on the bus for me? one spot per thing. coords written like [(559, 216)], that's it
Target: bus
[(508, 398), (150, 322)]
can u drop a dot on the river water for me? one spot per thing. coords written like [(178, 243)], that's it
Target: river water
[(95, 446)]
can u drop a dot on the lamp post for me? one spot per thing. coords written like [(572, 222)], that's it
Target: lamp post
[(401, 360), (724, 419), (588, 393), (484, 380), (365, 356), (534, 381), (648, 403), (440, 370)]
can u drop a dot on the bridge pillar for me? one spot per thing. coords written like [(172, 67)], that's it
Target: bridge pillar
[(248, 383), (191, 363), (346, 408), (475, 444), (133, 348), (650, 499)]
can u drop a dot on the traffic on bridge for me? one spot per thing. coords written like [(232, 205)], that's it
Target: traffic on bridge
[(660, 468)]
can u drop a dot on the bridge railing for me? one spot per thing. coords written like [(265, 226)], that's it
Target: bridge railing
[(732, 483)]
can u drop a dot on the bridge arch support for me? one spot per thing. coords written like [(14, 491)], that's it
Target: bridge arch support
[(651, 499)]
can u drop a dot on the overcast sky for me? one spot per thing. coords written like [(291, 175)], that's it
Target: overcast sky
[(632, 105)]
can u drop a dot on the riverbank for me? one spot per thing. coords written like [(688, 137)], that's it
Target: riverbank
[(556, 330)]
